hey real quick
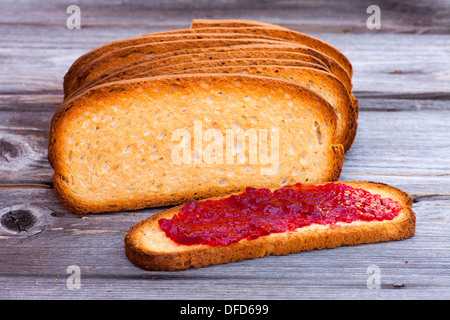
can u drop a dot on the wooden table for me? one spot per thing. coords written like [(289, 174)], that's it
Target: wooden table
[(401, 78)]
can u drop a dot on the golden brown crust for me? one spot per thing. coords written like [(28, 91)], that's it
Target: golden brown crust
[(337, 62), (401, 227), (231, 23)]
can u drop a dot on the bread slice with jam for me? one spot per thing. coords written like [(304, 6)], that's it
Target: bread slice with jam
[(360, 212)]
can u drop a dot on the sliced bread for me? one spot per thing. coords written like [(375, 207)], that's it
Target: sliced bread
[(149, 247), (128, 144)]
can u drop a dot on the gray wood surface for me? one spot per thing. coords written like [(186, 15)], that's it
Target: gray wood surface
[(402, 80)]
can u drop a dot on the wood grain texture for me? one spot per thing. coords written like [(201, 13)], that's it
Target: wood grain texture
[(399, 16), (401, 80)]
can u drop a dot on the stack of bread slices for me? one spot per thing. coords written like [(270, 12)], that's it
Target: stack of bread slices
[(144, 120), (202, 113)]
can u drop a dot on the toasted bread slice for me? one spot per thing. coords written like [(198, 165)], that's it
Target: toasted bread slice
[(114, 45), (274, 31), (118, 57), (174, 35), (147, 246), (127, 145)]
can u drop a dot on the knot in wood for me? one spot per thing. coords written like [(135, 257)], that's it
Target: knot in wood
[(18, 220), (9, 151)]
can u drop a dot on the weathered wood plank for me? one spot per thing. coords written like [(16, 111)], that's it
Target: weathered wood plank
[(34, 262), (309, 16), (403, 148)]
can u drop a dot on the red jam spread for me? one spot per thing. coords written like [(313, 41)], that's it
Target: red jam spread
[(260, 212)]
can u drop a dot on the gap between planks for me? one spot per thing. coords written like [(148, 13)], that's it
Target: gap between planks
[(26, 186)]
